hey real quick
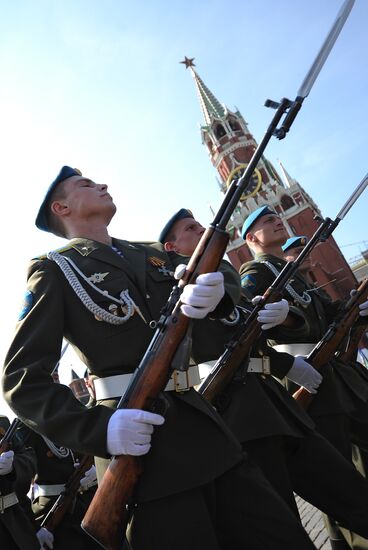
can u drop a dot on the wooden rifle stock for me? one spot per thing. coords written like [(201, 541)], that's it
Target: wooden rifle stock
[(325, 350), (350, 351), (237, 351), (67, 496), (108, 514)]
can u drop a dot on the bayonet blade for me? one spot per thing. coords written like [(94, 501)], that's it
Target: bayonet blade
[(354, 197), (326, 47)]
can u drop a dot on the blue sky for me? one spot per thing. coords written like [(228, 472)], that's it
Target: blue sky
[(98, 85)]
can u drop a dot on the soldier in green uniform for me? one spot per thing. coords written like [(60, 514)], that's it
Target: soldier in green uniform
[(277, 434), (55, 465), (265, 234), (17, 467), (354, 400), (353, 388), (104, 296)]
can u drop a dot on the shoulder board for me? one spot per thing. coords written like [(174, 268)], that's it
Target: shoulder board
[(246, 265), (60, 250)]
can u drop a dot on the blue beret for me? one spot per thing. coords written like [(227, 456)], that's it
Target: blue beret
[(180, 215), (42, 217), (294, 242), (254, 216)]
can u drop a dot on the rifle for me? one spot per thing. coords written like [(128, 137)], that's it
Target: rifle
[(325, 350), (6, 441), (108, 514), (238, 349), (350, 352), (67, 496)]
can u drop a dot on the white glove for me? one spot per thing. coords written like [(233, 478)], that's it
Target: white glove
[(201, 298), (364, 309), (129, 431), (6, 462), (89, 479), (303, 374), (272, 314), (45, 538)]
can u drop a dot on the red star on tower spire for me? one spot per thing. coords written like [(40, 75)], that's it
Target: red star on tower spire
[(188, 62)]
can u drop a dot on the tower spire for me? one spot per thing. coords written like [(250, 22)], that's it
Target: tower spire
[(289, 181), (210, 105)]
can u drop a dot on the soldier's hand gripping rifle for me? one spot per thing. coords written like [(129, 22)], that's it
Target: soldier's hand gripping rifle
[(67, 497), (108, 514), (325, 350)]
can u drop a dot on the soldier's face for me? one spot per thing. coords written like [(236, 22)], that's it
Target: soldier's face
[(269, 230), (188, 233), (85, 198), (291, 255)]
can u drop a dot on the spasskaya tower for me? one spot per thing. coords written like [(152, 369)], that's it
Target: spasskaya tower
[(230, 146)]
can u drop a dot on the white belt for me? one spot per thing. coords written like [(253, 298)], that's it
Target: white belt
[(295, 349), (48, 490), (7, 500), (256, 364), (115, 386), (259, 364)]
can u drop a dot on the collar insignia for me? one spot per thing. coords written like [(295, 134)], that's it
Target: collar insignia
[(97, 277), (83, 249)]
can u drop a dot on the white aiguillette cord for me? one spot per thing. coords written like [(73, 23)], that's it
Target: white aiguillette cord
[(126, 301)]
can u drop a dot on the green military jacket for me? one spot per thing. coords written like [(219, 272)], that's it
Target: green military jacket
[(15, 519), (256, 277), (253, 405), (184, 450), (341, 386)]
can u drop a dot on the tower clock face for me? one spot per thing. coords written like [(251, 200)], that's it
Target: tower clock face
[(254, 184)]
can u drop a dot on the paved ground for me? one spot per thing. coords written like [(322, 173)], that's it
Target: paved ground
[(313, 524)]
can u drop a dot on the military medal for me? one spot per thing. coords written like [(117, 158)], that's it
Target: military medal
[(156, 262)]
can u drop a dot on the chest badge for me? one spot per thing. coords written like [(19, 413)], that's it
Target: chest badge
[(165, 271), (97, 277)]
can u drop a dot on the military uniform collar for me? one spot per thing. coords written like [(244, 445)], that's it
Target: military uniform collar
[(84, 246), (275, 260)]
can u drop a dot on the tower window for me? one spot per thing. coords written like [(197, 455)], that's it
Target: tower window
[(220, 131), (287, 202), (234, 126)]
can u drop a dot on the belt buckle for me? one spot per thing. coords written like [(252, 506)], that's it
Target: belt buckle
[(266, 367), (180, 385)]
